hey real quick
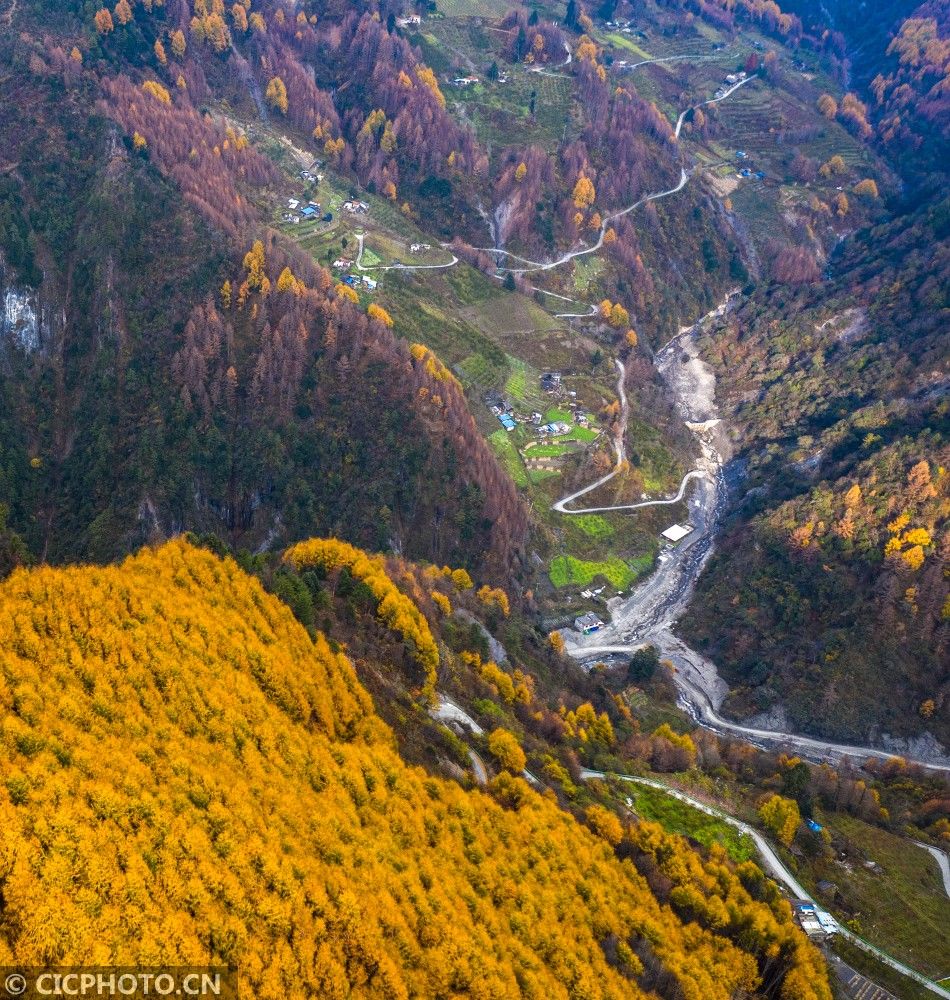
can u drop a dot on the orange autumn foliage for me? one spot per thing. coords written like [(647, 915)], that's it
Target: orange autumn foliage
[(394, 608), (186, 773)]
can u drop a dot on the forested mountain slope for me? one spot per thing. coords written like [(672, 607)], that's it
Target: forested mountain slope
[(141, 395), (192, 778), (831, 585)]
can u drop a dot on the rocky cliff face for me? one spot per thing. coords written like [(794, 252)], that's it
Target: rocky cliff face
[(21, 316)]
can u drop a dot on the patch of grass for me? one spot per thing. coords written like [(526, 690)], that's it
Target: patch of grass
[(476, 369), (548, 450), (522, 383), (678, 817), (473, 8), (584, 434), (641, 564), (370, 259), (555, 415), (624, 43), (537, 475), (904, 909), (651, 713), (500, 112), (586, 270), (878, 972), (471, 286), (594, 526), (508, 456), (415, 301), (568, 571)]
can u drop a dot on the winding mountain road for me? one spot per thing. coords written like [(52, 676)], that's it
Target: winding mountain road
[(620, 451), (715, 100), (447, 710), (399, 266), (648, 615), (943, 863), (777, 869), (534, 265)]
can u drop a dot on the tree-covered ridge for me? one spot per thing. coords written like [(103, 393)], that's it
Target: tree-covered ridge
[(832, 581), (188, 776), (394, 608), (214, 396)]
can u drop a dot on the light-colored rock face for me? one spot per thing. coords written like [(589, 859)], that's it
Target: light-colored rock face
[(20, 322)]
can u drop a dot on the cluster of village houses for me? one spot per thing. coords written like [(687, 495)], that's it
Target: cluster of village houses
[(743, 157), (745, 171), (504, 410), (353, 280), (625, 28), (300, 209)]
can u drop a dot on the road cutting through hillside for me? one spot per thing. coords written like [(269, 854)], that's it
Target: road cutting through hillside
[(649, 614), (399, 266), (943, 863), (445, 710), (774, 865), (533, 265)]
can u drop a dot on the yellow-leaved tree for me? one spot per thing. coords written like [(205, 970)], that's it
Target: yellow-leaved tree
[(584, 193), (781, 817), (276, 94), (187, 775), (505, 748)]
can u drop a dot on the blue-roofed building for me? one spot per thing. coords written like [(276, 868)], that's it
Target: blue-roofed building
[(309, 212), (509, 423)]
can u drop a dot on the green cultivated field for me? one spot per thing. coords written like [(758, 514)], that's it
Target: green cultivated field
[(569, 571), (508, 456), (679, 817)]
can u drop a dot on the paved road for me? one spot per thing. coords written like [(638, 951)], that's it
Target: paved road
[(481, 773), (620, 452), (715, 100), (559, 506), (943, 863), (619, 442), (697, 703), (591, 310), (399, 266), (776, 868), (446, 710), (648, 616), (535, 265), (773, 863)]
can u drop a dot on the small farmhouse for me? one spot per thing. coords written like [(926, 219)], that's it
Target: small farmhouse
[(588, 623)]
